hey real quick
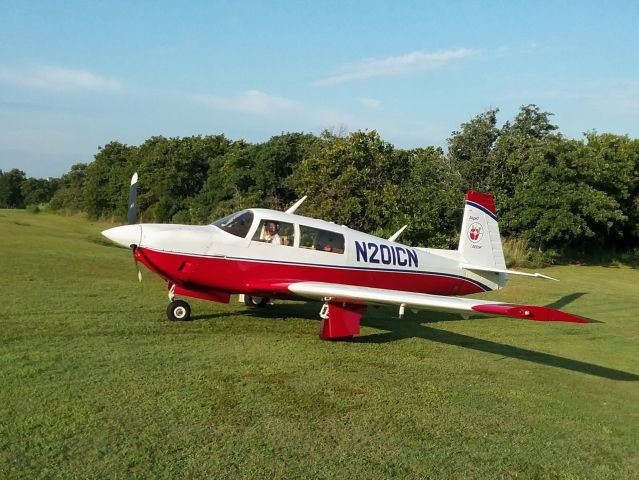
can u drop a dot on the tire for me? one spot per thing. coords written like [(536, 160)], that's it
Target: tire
[(178, 310), (260, 302)]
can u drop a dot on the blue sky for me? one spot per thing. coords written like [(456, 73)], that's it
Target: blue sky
[(76, 75)]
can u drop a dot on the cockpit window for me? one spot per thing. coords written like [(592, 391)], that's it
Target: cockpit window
[(237, 224), (275, 233)]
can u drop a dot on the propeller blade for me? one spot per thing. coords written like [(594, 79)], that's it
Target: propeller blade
[(135, 261), (132, 212)]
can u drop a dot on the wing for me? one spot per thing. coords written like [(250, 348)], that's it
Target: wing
[(366, 295)]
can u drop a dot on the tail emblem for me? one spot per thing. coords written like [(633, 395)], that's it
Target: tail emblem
[(475, 232)]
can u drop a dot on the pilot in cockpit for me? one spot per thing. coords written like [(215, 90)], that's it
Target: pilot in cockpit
[(270, 233)]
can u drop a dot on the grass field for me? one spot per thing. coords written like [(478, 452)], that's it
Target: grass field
[(96, 383)]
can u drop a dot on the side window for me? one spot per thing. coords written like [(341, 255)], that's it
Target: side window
[(275, 233), (322, 240)]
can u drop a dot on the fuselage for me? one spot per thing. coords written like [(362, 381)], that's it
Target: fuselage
[(239, 256)]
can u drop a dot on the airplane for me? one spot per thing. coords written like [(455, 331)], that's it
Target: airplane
[(266, 254)]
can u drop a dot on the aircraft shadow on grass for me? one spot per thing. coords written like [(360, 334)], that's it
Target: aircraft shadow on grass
[(414, 329), (415, 326), (565, 300)]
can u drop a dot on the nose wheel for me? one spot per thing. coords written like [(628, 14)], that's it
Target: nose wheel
[(178, 310)]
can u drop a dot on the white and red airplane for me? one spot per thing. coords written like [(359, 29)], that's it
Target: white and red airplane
[(265, 254)]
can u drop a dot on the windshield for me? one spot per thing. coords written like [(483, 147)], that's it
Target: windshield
[(237, 224)]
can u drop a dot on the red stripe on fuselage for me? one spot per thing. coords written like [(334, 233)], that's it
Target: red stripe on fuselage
[(235, 275)]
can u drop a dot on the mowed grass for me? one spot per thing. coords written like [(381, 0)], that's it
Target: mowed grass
[(97, 383)]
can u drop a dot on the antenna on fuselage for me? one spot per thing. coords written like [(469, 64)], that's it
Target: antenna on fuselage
[(394, 236), (296, 204)]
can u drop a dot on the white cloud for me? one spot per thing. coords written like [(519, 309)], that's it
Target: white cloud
[(48, 77), (251, 101), (370, 102), (399, 65)]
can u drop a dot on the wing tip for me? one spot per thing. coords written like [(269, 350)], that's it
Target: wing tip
[(529, 312)]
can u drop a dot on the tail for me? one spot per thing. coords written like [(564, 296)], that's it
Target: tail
[(480, 248)]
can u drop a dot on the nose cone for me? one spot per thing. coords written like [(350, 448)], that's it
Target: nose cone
[(125, 235)]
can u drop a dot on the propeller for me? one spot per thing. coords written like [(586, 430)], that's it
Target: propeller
[(137, 266), (132, 214)]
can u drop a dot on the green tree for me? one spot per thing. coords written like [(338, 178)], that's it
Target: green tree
[(432, 200), (172, 172), (11, 188), (612, 166), (222, 190), (532, 122), (353, 180), (272, 164), (106, 184), (36, 191), (258, 175), (555, 205), (515, 148), (469, 149), (69, 195)]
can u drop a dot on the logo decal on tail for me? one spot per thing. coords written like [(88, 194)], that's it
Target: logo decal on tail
[(475, 232)]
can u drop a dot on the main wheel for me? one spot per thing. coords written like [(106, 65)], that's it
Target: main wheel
[(250, 301), (178, 310)]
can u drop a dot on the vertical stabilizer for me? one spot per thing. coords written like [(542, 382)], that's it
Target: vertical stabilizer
[(480, 242)]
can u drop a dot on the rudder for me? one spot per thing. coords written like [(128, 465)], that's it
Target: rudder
[(480, 242)]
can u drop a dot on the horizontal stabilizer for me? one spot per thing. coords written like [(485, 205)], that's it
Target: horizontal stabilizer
[(506, 271)]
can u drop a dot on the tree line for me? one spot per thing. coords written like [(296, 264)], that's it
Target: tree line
[(558, 195)]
